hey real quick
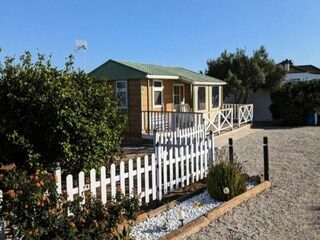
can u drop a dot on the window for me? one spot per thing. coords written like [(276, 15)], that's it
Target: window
[(157, 93), (215, 97), (121, 93), (201, 98)]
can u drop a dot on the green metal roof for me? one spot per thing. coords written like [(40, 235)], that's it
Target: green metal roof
[(116, 70)]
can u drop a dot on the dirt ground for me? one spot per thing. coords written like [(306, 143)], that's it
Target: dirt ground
[(291, 209)]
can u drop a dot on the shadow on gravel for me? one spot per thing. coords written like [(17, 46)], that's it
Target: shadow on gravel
[(276, 125)]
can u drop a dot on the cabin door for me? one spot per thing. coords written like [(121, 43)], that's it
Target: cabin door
[(178, 96)]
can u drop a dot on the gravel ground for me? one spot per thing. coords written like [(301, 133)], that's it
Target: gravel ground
[(291, 208)]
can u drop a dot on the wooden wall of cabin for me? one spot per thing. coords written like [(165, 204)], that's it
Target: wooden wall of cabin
[(133, 110), (167, 95)]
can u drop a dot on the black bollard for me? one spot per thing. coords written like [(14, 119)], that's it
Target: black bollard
[(266, 158), (231, 150)]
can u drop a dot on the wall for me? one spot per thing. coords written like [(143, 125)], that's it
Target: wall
[(134, 110), (167, 96), (144, 95), (261, 102), (301, 76)]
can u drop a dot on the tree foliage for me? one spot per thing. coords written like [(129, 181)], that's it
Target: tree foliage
[(295, 99), (49, 115), (246, 74)]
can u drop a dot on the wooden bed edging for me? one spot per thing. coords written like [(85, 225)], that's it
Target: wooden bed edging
[(203, 221)]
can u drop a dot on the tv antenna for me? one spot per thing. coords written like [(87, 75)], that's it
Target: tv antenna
[(81, 44)]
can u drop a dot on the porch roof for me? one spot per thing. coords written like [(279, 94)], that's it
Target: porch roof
[(116, 70)]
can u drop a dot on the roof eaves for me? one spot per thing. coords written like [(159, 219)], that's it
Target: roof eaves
[(149, 76), (211, 83)]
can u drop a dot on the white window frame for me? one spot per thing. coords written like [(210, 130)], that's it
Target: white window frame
[(205, 99), (158, 89), (219, 97), (126, 92)]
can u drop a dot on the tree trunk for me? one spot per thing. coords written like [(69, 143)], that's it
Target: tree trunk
[(245, 98), (237, 102)]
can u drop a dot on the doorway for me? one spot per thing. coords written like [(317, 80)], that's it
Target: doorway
[(178, 96)]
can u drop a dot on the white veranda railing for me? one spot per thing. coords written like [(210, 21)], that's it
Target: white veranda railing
[(169, 121), (242, 113), (219, 120), (245, 114)]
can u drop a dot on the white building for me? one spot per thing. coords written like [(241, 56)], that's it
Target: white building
[(300, 72)]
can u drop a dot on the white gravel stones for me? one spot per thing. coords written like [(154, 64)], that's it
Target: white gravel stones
[(166, 222)]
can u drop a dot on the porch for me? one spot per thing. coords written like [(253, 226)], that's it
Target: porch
[(228, 117)]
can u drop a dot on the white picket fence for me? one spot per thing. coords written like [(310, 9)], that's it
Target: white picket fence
[(180, 136), (169, 168), (182, 164), (130, 176), (175, 164), (2, 225)]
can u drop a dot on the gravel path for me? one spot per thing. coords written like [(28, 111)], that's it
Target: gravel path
[(291, 209)]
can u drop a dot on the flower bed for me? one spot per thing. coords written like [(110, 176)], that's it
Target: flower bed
[(166, 222)]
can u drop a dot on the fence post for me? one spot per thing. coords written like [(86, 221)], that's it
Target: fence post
[(231, 119), (155, 140), (231, 150), (158, 171), (2, 233), (57, 174), (266, 158), (212, 157), (239, 120), (174, 121), (219, 122)]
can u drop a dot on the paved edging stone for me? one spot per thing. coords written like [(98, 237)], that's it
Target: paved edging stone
[(203, 221)]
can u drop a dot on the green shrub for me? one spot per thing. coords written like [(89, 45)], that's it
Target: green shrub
[(32, 206), (294, 100), (225, 175), (49, 115)]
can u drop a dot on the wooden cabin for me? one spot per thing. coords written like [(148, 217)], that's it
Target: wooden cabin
[(161, 97)]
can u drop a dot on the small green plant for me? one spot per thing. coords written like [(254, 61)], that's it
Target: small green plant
[(198, 204), (225, 181), (34, 210), (123, 234)]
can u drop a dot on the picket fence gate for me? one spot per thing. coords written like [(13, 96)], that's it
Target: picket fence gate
[(182, 162), (171, 167)]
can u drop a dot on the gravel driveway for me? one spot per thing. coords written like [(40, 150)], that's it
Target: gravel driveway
[(291, 209)]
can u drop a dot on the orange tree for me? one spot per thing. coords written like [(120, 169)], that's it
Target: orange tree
[(49, 115), (34, 210)]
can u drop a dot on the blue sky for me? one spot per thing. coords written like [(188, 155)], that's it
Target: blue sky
[(168, 32)]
